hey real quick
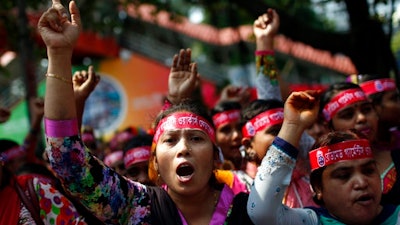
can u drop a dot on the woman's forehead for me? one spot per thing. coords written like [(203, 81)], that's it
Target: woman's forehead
[(350, 164), (356, 105), (183, 131)]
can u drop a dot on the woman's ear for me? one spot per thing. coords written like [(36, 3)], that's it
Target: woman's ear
[(246, 142), (251, 154), (318, 193), (155, 162)]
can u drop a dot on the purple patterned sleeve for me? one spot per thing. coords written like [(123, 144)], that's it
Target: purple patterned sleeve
[(111, 197)]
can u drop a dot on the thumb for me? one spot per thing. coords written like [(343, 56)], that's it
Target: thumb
[(75, 15)]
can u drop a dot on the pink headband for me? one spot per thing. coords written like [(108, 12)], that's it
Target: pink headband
[(182, 120), (113, 157), (87, 137), (262, 121), (341, 100), (11, 153), (120, 138), (378, 85), (136, 155), (225, 117), (346, 150)]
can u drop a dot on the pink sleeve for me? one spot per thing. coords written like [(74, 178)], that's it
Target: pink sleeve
[(61, 128), (238, 186)]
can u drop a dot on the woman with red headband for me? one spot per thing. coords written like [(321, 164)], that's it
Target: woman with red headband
[(346, 106), (183, 156), (344, 175), (137, 152), (262, 118), (384, 95)]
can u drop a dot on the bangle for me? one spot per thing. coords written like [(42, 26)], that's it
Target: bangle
[(267, 65), (65, 80), (265, 52)]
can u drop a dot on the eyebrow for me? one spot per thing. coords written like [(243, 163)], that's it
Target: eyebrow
[(366, 164)]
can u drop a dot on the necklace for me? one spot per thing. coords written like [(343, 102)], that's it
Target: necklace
[(215, 198)]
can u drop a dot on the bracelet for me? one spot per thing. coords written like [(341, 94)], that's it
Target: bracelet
[(65, 80), (266, 64), (265, 52)]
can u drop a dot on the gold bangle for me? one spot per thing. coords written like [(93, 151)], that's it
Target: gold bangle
[(59, 78)]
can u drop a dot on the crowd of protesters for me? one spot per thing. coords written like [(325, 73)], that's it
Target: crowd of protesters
[(313, 157)]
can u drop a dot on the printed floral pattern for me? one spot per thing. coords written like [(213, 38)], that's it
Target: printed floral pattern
[(108, 195), (55, 208)]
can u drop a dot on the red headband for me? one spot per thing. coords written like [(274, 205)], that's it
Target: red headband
[(378, 85), (113, 157), (341, 100), (225, 117), (262, 121), (182, 120), (346, 150), (136, 155), (11, 153)]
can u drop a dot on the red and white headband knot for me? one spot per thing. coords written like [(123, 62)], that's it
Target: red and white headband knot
[(12, 153), (136, 155), (225, 117), (184, 120), (378, 85), (341, 100), (262, 121), (346, 150)]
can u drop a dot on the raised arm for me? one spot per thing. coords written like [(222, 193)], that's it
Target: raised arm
[(274, 174), (183, 78), (109, 196), (236, 93), (84, 83), (60, 35), (268, 81)]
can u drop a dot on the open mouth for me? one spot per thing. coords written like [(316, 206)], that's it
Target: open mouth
[(185, 172), (365, 199), (366, 131)]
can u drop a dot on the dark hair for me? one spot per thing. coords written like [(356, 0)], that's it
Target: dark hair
[(223, 106), (330, 138), (6, 144), (138, 141), (375, 98), (361, 78)]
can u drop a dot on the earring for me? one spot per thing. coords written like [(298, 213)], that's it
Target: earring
[(251, 155), (319, 195)]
